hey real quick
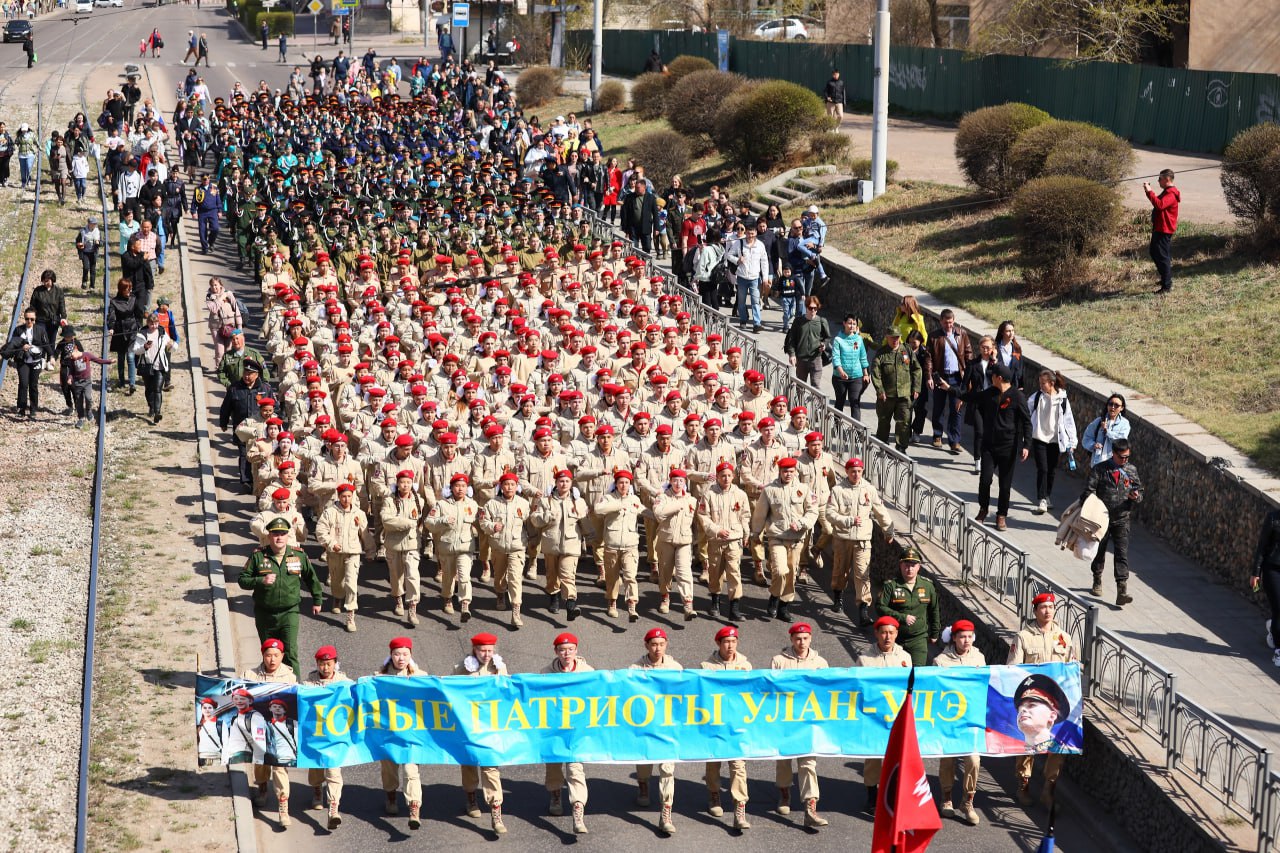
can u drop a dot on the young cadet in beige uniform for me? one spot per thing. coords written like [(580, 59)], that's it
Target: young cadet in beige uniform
[(1041, 641), (483, 661), (724, 514), (402, 516), (395, 776), (272, 669), (281, 506), (452, 522), (726, 657), (328, 781), (675, 510), (656, 657), (504, 519), (619, 510), (852, 507), (567, 660), (341, 530), (786, 509), (560, 516), (800, 655), (960, 651), (757, 465), (886, 654), (815, 467)]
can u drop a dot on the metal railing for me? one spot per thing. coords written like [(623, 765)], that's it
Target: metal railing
[(1222, 761)]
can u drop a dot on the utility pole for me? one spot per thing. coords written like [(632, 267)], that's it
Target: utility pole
[(597, 46), (880, 99)]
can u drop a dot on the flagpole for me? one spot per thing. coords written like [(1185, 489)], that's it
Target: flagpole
[(911, 688)]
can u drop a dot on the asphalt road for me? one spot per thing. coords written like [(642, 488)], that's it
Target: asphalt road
[(106, 40)]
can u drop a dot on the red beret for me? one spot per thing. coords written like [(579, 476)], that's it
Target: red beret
[(724, 466), (566, 637), (663, 429), (326, 653), (623, 475), (886, 620), (407, 474), (484, 639), (679, 472), (272, 643), (346, 487), (459, 478), (510, 476), (764, 422), (281, 494), (787, 462), (800, 628), (961, 625), (448, 438), (654, 633), (726, 631), (1042, 598), (812, 436), (401, 643), (402, 440), (854, 462), (781, 398)]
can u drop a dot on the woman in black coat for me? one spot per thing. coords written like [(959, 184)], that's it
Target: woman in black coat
[(124, 319), (28, 346)]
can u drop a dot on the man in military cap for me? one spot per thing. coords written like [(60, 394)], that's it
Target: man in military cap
[(913, 601), (1041, 704), (896, 376), (276, 575)]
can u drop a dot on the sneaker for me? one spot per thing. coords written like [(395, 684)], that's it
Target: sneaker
[(937, 442), (1042, 507), (1275, 657), (977, 466)]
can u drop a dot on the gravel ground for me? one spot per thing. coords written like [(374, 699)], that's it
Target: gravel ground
[(44, 543)]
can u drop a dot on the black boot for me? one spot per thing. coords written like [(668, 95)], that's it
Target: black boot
[(1097, 581), (554, 604), (873, 793), (782, 611), (572, 605), (864, 615), (771, 610), (735, 615), (713, 609), (837, 600)]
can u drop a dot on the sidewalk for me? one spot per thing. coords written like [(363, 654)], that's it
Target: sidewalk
[(1182, 619)]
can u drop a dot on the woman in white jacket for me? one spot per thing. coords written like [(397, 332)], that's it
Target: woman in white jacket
[(1053, 432), (151, 348)]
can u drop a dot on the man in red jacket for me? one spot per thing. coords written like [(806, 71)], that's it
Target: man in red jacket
[(1164, 221)]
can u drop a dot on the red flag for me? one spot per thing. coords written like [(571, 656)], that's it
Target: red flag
[(906, 816)]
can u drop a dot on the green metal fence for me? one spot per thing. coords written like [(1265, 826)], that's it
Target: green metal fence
[(1165, 107)]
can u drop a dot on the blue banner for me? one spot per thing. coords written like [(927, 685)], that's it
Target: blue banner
[(626, 716)]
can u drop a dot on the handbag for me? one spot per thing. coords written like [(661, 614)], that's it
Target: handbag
[(826, 355), (226, 331)]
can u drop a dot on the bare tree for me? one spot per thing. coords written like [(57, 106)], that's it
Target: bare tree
[(1109, 30)]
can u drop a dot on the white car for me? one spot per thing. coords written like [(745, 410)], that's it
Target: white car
[(84, 6), (782, 28), (119, 4)]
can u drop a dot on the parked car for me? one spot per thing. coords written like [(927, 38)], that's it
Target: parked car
[(782, 28), (84, 6), (17, 30), (119, 4)]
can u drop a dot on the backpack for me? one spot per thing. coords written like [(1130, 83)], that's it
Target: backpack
[(721, 279)]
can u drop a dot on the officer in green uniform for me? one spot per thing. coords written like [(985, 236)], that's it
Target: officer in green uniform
[(913, 601), (276, 574), (896, 377)]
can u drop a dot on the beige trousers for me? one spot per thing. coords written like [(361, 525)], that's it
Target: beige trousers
[(620, 574), (344, 576), (675, 568), (330, 778), (278, 776), (455, 569), (487, 779), (562, 574), (666, 779), (737, 779), (508, 574), (784, 562), (574, 774), (947, 774), (402, 568), (808, 773), (397, 776), (724, 562), (850, 557)]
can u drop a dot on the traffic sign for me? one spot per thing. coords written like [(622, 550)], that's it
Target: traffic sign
[(461, 14), (540, 9), (339, 12), (315, 6)]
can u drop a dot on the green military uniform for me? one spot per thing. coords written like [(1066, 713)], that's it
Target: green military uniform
[(920, 599), (275, 607), (896, 375)]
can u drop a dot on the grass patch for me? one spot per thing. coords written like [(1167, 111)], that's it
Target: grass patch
[(22, 625), (1185, 350)]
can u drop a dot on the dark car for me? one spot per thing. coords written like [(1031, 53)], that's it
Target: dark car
[(16, 30)]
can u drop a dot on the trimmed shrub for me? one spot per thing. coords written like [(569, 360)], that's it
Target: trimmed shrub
[(537, 85), (694, 99), (610, 96), (277, 23), (759, 125), (1248, 178), (682, 66), (663, 153), (1063, 221), (983, 140), (860, 169), (649, 95), (828, 147), (1069, 148)]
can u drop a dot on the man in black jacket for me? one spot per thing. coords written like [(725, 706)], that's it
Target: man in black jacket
[(639, 212), (833, 95), (240, 401), (134, 266), (50, 305), (1117, 485), (1006, 430)]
